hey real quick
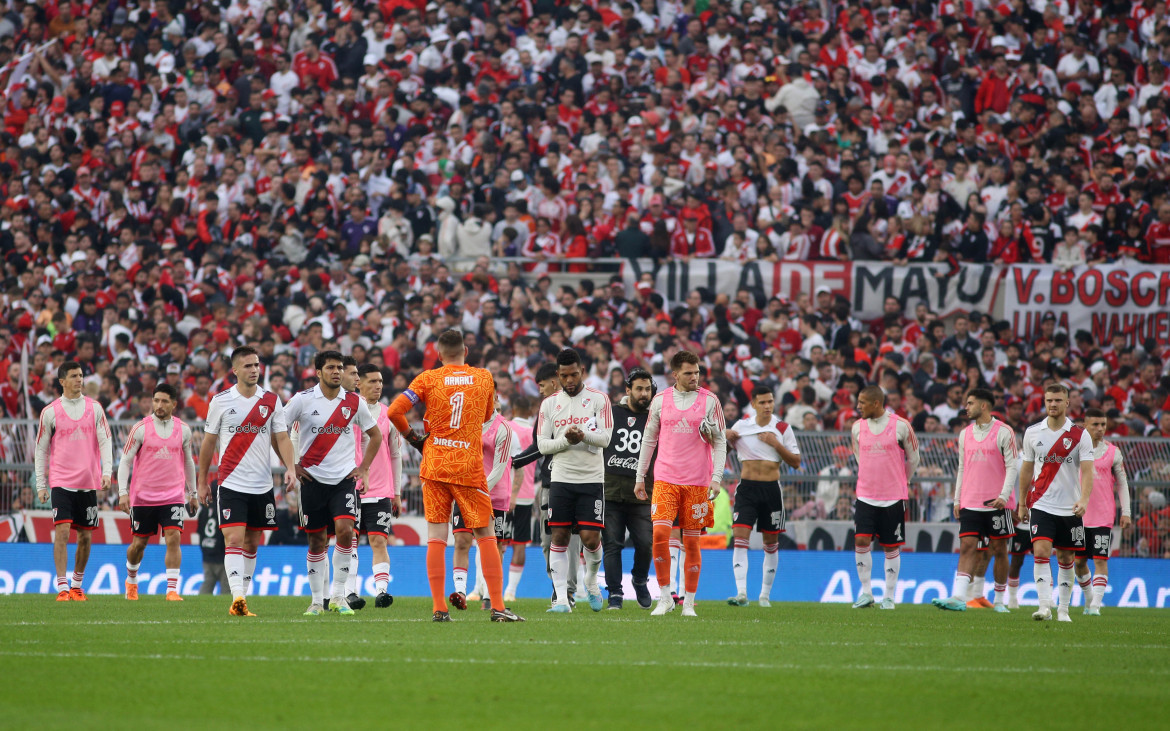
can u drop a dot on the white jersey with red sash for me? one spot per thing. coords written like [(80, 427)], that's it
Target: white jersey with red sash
[(328, 438), (245, 427), (1056, 487)]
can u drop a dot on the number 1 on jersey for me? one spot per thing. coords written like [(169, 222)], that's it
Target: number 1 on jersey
[(456, 402)]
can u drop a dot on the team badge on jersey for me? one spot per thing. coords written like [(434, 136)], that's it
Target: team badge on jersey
[(1067, 443), (630, 420), (345, 412), (263, 412), (585, 402)]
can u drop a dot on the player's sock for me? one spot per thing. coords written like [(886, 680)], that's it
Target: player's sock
[(1043, 576), (493, 570), (960, 586), (249, 570), (131, 574), (1000, 591), (739, 565), (771, 561), (233, 564), (514, 574), (1013, 590), (341, 558), (62, 584), (675, 565), (437, 572), (172, 580), (1086, 584), (317, 568), (893, 567), (1100, 586), (864, 558), (662, 550), (976, 590), (558, 561), (693, 560), (351, 584), (1065, 576), (78, 578), (592, 566), (381, 577), (459, 576)]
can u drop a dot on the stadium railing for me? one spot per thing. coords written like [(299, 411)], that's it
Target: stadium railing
[(828, 471)]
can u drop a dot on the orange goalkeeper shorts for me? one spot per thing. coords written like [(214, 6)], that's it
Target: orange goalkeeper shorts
[(475, 505), (688, 502)]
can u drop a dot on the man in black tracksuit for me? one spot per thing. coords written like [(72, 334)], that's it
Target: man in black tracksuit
[(623, 511)]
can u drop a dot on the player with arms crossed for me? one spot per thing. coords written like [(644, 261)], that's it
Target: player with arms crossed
[(1056, 499), (244, 423), (983, 483), (887, 457), (380, 501), (159, 448), (73, 459), (328, 419), (574, 428), (686, 426), (762, 442), (458, 400), (1100, 513)]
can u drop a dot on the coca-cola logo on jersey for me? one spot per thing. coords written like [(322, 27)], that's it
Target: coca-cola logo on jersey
[(627, 463), (571, 421)]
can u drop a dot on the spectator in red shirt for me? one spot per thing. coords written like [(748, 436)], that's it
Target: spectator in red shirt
[(690, 240)]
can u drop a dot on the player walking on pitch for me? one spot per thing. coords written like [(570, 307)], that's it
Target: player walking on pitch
[(458, 400), (380, 501), (73, 458), (983, 483), (887, 457), (328, 419), (159, 449), (244, 422), (686, 426), (1056, 499), (1100, 513), (574, 428), (762, 443)]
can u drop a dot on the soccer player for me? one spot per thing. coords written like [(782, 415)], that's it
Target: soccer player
[(458, 400), (328, 419), (625, 511), (762, 441), (983, 483), (519, 522), (887, 457), (244, 423), (381, 501), (350, 382), (1056, 498), (574, 427), (687, 476), (159, 448), (1100, 512), (73, 459)]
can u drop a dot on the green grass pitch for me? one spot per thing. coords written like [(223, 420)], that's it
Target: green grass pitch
[(109, 663)]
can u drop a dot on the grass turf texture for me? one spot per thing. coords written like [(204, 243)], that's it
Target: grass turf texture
[(151, 664)]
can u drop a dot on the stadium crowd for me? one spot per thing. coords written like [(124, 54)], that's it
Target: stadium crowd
[(181, 178)]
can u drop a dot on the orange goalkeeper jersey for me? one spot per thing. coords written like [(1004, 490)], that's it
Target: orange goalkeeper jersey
[(458, 400)]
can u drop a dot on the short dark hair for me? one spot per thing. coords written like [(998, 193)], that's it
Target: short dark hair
[(761, 390), (325, 356), (546, 372), (69, 365), (1094, 414), (984, 395), (348, 360), (366, 369), (168, 389), (873, 393), (243, 352), (450, 342), (568, 357), (681, 358)]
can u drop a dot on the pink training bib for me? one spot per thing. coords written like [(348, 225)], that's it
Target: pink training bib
[(881, 466), (528, 485), (1101, 510), (159, 478), (74, 458), (983, 467), (691, 460), (502, 492), (381, 482)]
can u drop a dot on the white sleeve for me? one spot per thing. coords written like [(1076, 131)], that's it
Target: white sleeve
[(500, 455), (364, 418), (714, 412), (909, 441), (650, 436), (1011, 462), (105, 440), (279, 421), (395, 445), (189, 460), (1122, 483), (214, 418), (788, 440), (44, 439), (133, 444), (1029, 453), (856, 441), (1085, 448)]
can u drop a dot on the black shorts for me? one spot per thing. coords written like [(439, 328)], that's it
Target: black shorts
[(322, 504), (1066, 532), (520, 521), (78, 507), (580, 506), (148, 520), (499, 522), (1097, 543), (256, 512), (887, 524), (374, 517), (1021, 542), (986, 524), (759, 505)]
